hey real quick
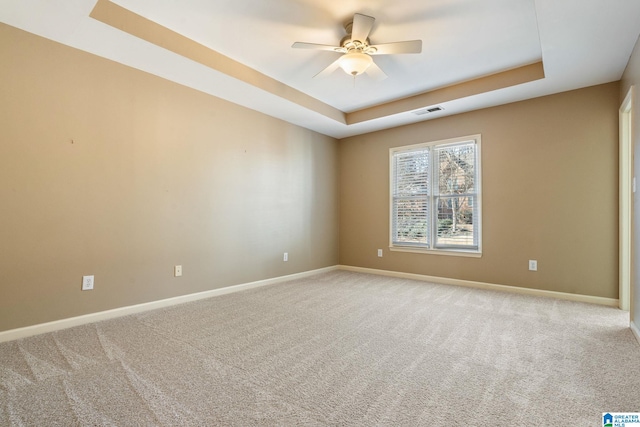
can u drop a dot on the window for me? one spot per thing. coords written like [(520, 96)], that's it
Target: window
[(435, 196)]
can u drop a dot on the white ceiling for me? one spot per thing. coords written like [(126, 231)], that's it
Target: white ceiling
[(581, 43)]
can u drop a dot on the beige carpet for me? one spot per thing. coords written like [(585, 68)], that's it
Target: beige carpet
[(339, 348)]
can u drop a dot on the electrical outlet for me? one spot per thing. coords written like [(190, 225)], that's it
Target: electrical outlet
[(380, 253), (87, 283), (533, 265), (177, 271), (286, 256)]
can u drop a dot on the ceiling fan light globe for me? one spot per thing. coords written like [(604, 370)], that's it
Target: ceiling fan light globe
[(355, 63)]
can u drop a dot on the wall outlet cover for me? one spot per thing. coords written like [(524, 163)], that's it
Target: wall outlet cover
[(87, 283)]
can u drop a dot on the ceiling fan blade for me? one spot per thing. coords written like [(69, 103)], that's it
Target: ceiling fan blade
[(375, 72), (302, 45), (362, 25), (411, 46), (330, 69)]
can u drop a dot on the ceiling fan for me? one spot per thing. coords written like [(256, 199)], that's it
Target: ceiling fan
[(357, 51)]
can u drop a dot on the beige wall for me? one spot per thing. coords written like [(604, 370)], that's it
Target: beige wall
[(110, 171), (550, 177), (631, 77)]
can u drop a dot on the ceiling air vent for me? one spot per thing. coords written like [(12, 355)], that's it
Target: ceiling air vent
[(428, 110)]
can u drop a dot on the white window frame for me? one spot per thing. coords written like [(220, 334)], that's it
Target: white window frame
[(431, 249)]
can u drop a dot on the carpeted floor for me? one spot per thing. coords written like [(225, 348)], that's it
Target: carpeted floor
[(338, 348)]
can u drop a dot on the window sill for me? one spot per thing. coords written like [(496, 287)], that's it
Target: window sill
[(448, 252)]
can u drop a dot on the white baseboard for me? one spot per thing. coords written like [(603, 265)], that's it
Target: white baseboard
[(635, 330), (612, 302), (14, 334), (41, 328)]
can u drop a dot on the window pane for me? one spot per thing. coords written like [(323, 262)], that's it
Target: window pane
[(456, 221), (412, 173), (411, 219), (456, 169)]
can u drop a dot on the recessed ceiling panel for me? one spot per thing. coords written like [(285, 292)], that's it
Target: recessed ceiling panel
[(462, 40)]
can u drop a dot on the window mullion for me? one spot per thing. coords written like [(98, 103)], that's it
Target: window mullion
[(433, 192)]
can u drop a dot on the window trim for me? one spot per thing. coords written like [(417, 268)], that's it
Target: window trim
[(455, 251)]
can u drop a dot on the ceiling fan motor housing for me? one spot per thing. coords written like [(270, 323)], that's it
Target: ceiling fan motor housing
[(356, 45)]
